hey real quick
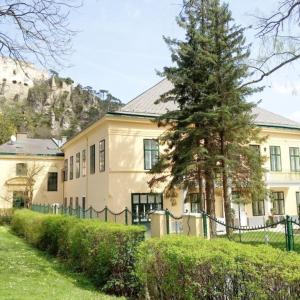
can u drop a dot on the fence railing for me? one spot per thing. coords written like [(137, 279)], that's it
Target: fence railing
[(106, 215), (284, 234)]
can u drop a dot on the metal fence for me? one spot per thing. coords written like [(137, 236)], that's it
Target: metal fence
[(106, 215), (284, 234)]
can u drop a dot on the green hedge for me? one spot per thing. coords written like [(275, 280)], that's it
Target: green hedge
[(104, 251), (6, 215), (179, 267)]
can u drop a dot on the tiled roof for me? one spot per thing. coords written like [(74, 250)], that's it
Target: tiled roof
[(28, 146), (144, 104)]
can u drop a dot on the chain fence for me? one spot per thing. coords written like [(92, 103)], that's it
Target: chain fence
[(284, 234), (105, 215)]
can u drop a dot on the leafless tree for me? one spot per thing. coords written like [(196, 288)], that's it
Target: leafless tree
[(32, 172), (36, 30), (279, 33)]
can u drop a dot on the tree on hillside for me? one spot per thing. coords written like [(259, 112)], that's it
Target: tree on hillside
[(36, 28), (208, 136), (7, 128)]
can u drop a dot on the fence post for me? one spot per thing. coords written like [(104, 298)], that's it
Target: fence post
[(168, 221), (105, 213), (91, 212), (126, 215), (204, 218), (289, 235)]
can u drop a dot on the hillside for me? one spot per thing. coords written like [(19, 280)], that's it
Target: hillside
[(46, 105)]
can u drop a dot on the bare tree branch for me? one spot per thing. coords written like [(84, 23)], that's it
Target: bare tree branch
[(36, 29)]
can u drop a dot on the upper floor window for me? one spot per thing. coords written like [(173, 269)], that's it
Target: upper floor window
[(151, 153), (102, 156), (295, 159), (256, 148), (92, 159), (83, 163), (52, 181), (278, 203), (78, 165), (21, 169), (258, 207), (66, 170), (71, 167), (275, 158)]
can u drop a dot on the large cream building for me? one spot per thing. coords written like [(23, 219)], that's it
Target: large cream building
[(108, 164)]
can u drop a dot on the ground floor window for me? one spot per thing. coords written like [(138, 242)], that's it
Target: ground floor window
[(196, 202), (278, 203), (19, 199), (142, 203), (83, 203), (298, 203), (258, 207)]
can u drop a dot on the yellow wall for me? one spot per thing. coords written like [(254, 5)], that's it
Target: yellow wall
[(125, 174), (41, 195)]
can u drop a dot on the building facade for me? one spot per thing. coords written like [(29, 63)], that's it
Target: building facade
[(30, 166), (108, 164)]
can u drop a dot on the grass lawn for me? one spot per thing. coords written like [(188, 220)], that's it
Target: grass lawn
[(274, 239), (26, 273)]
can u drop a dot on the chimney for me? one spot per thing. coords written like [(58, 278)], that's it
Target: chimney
[(21, 136)]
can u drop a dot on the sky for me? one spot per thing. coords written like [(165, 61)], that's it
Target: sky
[(119, 47)]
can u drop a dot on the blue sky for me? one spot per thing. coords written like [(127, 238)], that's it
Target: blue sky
[(119, 46)]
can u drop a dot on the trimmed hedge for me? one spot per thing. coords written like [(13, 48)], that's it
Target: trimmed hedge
[(6, 215), (180, 267), (103, 251)]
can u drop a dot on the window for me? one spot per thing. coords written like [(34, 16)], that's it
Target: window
[(298, 203), (83, 163), (151, 153), (76, 202), (197, 204), (278, 203), (142, 204), (65, 202), (78, 165), (20, 199), (83, 203), (256, 148), (71, 167), (71, 202), (275, 157), (52, 181), (258, 207), (21, 169), (66, 170), (295, 159), (92, 159), (102, 156)]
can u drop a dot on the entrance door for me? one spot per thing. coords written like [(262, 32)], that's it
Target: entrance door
[(142, 204), (19, 199)]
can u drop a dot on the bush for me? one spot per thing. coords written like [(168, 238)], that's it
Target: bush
[(104, 251), (6, 215), (179, 267)]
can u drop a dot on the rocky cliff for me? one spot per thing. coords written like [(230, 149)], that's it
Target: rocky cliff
[(44, 104)]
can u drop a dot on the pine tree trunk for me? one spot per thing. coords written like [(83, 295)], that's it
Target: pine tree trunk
[(210, 199), (226, 196)]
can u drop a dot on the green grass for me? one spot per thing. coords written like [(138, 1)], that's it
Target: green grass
[(274, 239), (27, 273)]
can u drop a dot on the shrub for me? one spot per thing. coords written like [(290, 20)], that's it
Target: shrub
[(5, 215), (104, 251), (179, 267)]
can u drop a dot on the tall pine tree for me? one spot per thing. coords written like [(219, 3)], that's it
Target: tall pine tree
[(209, 134)]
